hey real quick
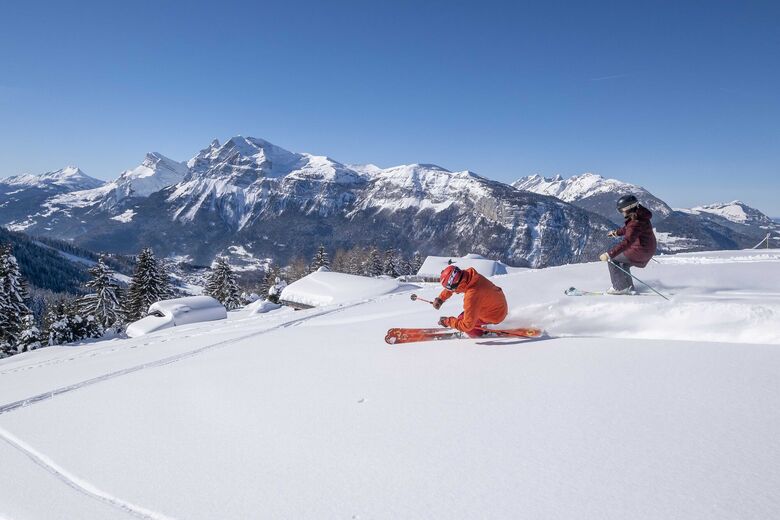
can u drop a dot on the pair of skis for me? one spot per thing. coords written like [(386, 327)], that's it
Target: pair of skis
[(400, 335)]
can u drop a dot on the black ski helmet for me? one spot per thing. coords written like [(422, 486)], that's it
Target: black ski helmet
[(627, 202)]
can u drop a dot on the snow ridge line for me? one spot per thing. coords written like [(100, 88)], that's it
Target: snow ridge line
[(161, 362), (77, 483)]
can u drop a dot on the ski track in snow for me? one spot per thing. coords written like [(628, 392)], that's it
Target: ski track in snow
[(87, 488), (77, 483), (166, 361)]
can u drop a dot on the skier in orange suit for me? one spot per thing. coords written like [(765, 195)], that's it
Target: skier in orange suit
[(483, 301)]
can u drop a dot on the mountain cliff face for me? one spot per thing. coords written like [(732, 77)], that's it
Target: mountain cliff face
[(250, 195)]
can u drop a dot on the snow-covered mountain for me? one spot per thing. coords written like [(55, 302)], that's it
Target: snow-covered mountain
[(250, 195), (153, 174), (712, 227), (630, 408), (24, 195), (736, 211), (593, 192), (70, 178)]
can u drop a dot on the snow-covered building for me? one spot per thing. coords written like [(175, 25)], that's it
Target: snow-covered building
[(432, 267), (175, 312), (326, 287)]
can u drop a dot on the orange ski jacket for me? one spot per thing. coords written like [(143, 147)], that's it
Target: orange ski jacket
[(483, 302)]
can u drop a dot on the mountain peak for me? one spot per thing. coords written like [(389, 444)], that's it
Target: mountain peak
[(70, 178), (240, 154), (735, 211), (153, 174)]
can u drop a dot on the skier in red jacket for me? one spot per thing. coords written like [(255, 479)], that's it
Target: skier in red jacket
[(637, 247), (483, 301)]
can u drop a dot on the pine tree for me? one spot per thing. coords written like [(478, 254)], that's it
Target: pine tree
[(222, 285), (267, 281), (417, 262), (66, 325), (355, 261), (59, 329), (30, 337), (373, 266), (390, 267), (6, 327), (406, 267), (150, 284), (103, 302), (13, 308), (320, 259)]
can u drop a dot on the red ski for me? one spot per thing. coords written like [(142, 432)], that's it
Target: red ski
[(403, 335)]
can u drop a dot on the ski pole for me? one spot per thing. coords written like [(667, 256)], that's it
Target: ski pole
[(638, 280), (415, 298)]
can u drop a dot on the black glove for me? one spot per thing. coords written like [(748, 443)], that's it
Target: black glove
[(443, 321), (437, 303)]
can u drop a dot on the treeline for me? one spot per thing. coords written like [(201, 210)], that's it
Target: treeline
[(29, 321)]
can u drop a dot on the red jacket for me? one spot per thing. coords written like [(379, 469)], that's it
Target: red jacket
[(638, 238), (483, 301)]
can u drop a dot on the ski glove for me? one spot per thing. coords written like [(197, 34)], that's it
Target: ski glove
[(604, 257), (437, 303), (443, 321)]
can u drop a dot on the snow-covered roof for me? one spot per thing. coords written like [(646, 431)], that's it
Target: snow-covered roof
[(434, 265), (177, 305), (326, 287)]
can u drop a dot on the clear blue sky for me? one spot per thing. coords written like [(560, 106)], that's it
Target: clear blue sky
[(680, 97)]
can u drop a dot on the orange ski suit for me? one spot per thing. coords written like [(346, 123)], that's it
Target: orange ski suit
[(483, 303)]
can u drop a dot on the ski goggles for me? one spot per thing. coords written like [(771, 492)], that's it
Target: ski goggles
[(454, 280)]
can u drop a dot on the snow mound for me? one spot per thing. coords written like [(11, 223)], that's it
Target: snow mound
[(325, 288), (261, 307)]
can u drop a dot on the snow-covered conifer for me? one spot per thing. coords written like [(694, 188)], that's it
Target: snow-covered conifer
[(406, 267), (150, 284), (373, 265), (417, 262), (103, 302), (320, 259), (30, 337), (59, 330), (13, 294), (222, 285), (66, 325), (390, 267), (355, 261)]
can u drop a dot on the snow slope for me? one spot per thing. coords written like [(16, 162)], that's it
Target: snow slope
[(634, 407)]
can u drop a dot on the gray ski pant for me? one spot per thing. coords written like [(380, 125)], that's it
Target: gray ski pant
[(620, 280)]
